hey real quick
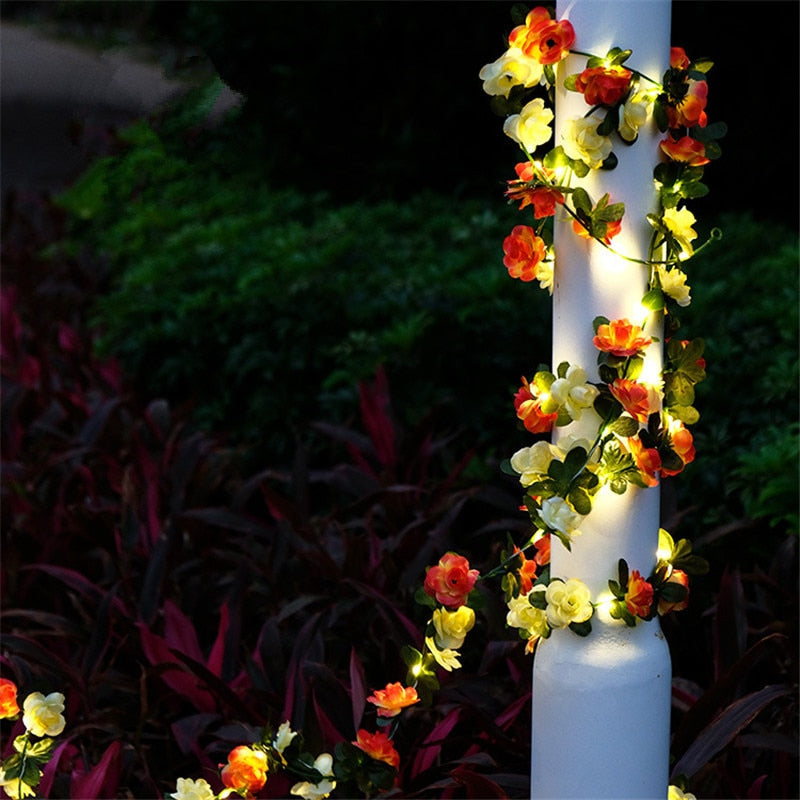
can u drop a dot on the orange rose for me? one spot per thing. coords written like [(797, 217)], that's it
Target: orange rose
[(451, 580), (690, 110), (523, 251), (8, 699), (542, 557), (639, 595), (638, 400), (621, 338), (542, 38), (603, 86), (686, 150), (612, 229), (378, 746), (529, 410), (647, 460), (680, 577), (246, 769), (682, 442), (393, 699), (527, 572), (678, 58)]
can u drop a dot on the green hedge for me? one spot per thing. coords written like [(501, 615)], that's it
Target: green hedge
[(264, 308)]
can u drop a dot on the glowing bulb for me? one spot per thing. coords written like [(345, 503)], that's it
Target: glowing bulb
[(416, 670), (663, 554)]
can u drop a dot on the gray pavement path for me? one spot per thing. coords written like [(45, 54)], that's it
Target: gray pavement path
[(48, 87)]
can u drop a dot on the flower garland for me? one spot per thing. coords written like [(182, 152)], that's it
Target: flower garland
[(642, 432), (42, 716)]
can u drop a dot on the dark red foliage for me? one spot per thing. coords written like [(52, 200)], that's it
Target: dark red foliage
[(180, 605)]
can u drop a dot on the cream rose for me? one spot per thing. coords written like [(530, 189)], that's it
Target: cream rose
[(521, 614), (513, 68), (189, 789), (284, 736), (316, 791), (452, 627), (559, 516), (673, 283), (531, 127), (446, 658), (582, 142), (634, 114), (533, 462), (567, 601), (572, 392), (679, 223), (42, 715)]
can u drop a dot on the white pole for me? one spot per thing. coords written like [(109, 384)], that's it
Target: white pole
[(601, 704)]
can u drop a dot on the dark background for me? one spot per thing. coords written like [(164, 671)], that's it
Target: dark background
[(376, 100)]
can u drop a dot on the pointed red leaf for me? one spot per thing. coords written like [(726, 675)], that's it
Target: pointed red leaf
[(102, 780)]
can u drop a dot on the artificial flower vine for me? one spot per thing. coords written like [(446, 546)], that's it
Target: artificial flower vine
[(642, 435), (42, 716)]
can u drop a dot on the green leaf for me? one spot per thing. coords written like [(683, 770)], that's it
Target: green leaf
[(610, 163), (581, 628), (688, 415), (537, 600), (424, 599), (609, 124), (702, 66), (598, 321), (653, 300), (580, 501), (571, 82), (619, 56), (691, 190), (581, 200), (673, 592), (410, 655), (575, 460), (680, 391), (624, 426), (556, 159)]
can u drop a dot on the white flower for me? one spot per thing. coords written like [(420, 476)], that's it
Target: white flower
[(446, 658), (673, 283), (582, 142), (559, 516), (452, 627), (572, 392), (570, 441), (192, 790), (284, 736), (544, 274), (533, 462), (679, 223), (42, 715), (513, 68), (568, 601), (522, 615), (676, 793), (313, 791), (634, 114), (531, 127), (316, 791)]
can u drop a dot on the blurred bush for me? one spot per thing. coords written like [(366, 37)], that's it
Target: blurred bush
[(265, 308)]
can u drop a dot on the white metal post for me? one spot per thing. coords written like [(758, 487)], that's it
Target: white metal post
[(601, 704)]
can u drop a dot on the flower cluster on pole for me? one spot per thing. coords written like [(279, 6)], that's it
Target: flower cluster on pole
[(642, 434)]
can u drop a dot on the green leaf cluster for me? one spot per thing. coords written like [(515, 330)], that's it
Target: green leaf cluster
[(28, 760)]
